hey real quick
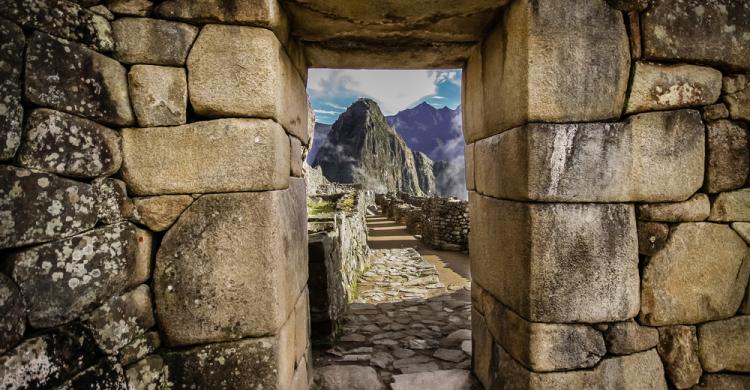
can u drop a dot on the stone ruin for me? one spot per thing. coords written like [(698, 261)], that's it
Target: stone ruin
[(152, 206)]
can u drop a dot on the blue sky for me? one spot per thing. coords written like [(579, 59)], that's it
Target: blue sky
[(331, 91)]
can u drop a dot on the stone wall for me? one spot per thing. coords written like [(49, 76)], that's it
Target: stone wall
[(338, 253), (152, 220), (607, 162), (445, 223)]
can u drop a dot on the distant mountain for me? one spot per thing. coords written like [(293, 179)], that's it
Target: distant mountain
[(361, 148), (432, 131), (319, 137)]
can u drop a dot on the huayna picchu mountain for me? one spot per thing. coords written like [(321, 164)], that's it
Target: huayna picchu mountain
[(361, 148)]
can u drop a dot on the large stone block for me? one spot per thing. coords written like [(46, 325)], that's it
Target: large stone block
[(625, 338), (739, 104), (723, 382), (232, 266), (65, 279), (68, 145), (678, 349), (549, 61), (37, 207), (224, 155), (557, 262), (48, 360), (152, 41), (158, 213), (698, 31), (61, 18), (12, 43), (69, 77), (727, 156), (104, 375), (472, 97), (469, 161), (635, 160), (13, 321), (159, 95), (664, 87), (639, 371), (543, 347), (148, 374), (699, 276), (733, 206), (112, 202), (695, 209), (139, 348), (130, 7), (262, 82), (725, 345), (121, 319), (481, 349)]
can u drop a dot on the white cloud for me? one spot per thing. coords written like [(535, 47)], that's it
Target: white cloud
[(327, 112), (336, 106), (393, 90), (437, 97)]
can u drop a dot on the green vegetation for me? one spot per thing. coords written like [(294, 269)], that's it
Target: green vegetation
[(319, 206)]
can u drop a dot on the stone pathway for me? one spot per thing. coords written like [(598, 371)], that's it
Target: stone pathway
[(405, 321)]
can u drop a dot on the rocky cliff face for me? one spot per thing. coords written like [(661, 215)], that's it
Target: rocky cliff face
[(435, 132), (362, 148), (425, 172)]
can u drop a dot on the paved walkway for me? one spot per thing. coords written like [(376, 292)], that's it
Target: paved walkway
[(412, 315)]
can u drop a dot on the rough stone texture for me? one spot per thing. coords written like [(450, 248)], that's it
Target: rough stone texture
[(652, 237), (100, 9), (151, 41), (723, 382), (261, 83), (739, 105), (139, 348), (38, 207), (555, 62), (731, 206), (482, 346), (628, 337), (116, 323), (596, 162), (101, 376), (13, 321), (85, 82), (68, 145), (727, 156), (715, 112), (725, 345), (698, 31), (47, 360), (295, 147), (347, 378), (148, 374), (260, 13), (158, 213), (140, 269), (12, 43), (743, 229), (695, 209), (641, 371), (255, 363), (61, 18), (63, 280), (472, 98), (301, 325), (243, 155), (242, 256), (469, 161), (159, 95), (664, 87), (678, 349), (112, 202), (130, 7), (521, 251), (629, 5), (543, 347), (734, 83), (699, 276), (443, 379)]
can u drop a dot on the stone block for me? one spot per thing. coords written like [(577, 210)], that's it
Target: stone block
[(481, 349), (130, 7), (242, 155), (159, 95), (715, 112), (727, 156), (725, 345), (68, 145), (640, 371), (546, 62), (295, 147), (232, 266), (85, 83), (158, 213), (112, 202), (37, 207), (47, 360), (695, 209), (733, 206), (121, 319), (103, 11), (652, 236), (523, 254), (267, 14), (723, 382), (449, 379), (696, 31), (472, 97), (140, 270), (65, 279), (64, 19), (152, 41), (104, 375), (699, 276), (342, 377), (635, 160), (678, 349), (469, 161), (301, 325), (250, 363), (734, 83), (743, 229), (664, 87), (543, 347), (739, 105), (628, 337), (12, 43), (139, 348), (261, 83), (148, 374), (296, 54), (13, 321)]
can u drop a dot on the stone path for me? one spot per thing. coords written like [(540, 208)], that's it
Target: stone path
[(406, 321)]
